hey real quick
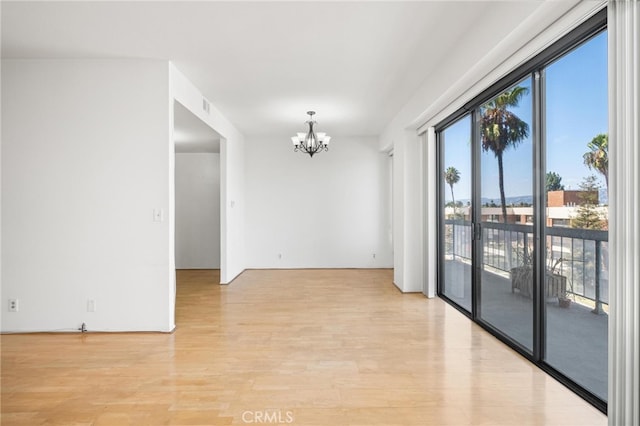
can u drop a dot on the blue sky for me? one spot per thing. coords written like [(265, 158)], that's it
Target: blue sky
[(576, 111)]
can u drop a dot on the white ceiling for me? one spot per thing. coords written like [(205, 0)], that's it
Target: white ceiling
[(264, 64)]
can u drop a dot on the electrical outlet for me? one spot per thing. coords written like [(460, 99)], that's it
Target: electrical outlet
[(279, 255), (91, 305), (374, 255), (13, 305)]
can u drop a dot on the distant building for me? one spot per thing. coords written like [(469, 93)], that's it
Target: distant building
[(570, 198), (562, 206)]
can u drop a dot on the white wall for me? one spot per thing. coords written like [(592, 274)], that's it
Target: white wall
[(85, 162), (232, 185), (407, 214), (329, 211), (197, 216), (233, 259)]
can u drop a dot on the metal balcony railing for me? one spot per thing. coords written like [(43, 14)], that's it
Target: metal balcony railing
[(581, 255)]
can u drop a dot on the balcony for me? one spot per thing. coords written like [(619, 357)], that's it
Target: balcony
[(576, 336)]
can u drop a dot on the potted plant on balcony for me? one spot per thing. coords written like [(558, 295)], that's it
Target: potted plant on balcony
[(522, 275), (564, 302), (555, 282), (565, 293)]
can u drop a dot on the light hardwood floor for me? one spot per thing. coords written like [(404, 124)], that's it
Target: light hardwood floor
[(307, 347)]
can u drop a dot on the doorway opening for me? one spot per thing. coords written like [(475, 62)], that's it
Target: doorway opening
[(197, 198)]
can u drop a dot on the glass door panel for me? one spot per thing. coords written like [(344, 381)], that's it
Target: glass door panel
[(456, 207), (577, 215), (506, 213)]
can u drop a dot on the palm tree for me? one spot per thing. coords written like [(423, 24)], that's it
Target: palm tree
[(597, 158), (501, 129), (452, 176)]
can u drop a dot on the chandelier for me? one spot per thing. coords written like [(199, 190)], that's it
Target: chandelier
[(311, 142)]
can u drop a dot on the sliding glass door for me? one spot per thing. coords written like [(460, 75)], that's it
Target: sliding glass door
[(506, 213), (456, 212), (577, 216), (523, 247)]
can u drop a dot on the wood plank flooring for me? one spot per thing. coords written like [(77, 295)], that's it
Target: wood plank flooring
[(302, 347)]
